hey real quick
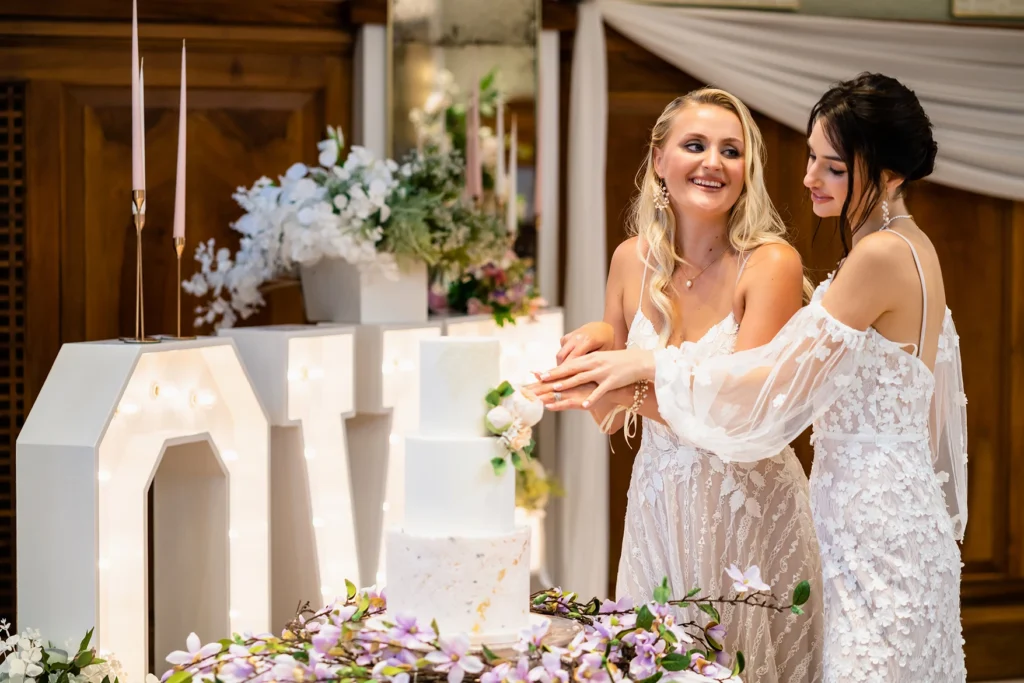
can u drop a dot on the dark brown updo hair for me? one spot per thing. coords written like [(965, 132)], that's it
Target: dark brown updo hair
[(875, 124)]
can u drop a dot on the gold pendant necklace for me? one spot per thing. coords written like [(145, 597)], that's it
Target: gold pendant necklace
[(689, 281)]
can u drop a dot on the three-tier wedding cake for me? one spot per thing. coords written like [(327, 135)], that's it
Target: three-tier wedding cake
[(459, 559)]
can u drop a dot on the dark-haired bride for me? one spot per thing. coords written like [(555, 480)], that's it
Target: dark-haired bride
[(874, 364)]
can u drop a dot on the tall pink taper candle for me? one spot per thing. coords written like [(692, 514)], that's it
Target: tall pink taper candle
[(138, 165), (477, 168), (512, 215), (142, 117), (179, 188), (472, 146), (499, 176)]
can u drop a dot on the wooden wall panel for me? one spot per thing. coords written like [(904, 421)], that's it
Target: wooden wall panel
[(980, 242), (259, 99), (13, 327)]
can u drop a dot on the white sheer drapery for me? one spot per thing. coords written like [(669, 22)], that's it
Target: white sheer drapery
[(969, 79), (583, 448)]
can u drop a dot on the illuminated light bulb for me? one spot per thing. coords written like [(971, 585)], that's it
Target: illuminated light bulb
[(103, 475), (128, 408), (310, 453), (318, 522), (202, 399), (154, 390), (230, 455)]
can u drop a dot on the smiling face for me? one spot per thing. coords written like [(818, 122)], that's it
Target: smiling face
[(702, 160), (827, 176)]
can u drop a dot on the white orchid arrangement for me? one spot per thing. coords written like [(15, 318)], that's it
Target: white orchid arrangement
[(369, 212), (512, 414), (28, 658)]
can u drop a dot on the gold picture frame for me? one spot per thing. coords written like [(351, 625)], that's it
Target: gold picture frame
[(987, 9), (788, 5)]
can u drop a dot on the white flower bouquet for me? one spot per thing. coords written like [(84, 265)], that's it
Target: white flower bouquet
[(27, 658), (370, 212), (512, 414)]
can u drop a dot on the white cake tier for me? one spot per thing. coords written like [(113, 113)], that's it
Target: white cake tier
[(455, 375), (451, 488), (478, 586)]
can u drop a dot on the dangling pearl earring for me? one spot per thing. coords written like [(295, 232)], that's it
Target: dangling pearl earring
[(661, 197), (885, 212)]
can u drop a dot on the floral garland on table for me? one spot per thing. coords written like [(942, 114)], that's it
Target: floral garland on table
[(370, 212), (354, 641)]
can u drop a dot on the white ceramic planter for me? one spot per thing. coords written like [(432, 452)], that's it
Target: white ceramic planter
[(337, 291)]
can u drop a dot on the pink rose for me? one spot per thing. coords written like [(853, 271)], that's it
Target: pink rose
[(520, 439)]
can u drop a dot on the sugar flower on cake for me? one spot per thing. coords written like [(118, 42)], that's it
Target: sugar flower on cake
[(511, 416)]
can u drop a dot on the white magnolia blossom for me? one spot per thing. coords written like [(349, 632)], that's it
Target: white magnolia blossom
[(333, 212)]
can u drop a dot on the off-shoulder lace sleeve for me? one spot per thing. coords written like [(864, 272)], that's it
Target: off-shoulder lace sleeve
[(749, 405), (949, 425)]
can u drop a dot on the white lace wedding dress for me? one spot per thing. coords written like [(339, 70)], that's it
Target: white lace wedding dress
[(689, 516), (888, 486)]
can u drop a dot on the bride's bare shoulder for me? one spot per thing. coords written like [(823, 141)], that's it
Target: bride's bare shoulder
[(628, 259)]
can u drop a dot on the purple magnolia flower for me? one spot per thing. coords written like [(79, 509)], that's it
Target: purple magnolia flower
[(326, 638), (498, 674), (391, 670), (586, 641), (196, 652), (521, 672), (592, 669), (749, 580), (550, 669), (681, 635), (239, 666), (378, 598), (287, 668), (717, 632), (648, 646), (453, 658), (660, 612), (624, 604), (409, 633), (342, 614), (701, 665), (532, 638)]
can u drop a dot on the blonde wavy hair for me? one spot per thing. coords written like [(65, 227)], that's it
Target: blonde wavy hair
[(753, 220)]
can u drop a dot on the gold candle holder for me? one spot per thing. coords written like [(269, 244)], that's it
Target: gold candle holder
[(139, 218), (179, 249)]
